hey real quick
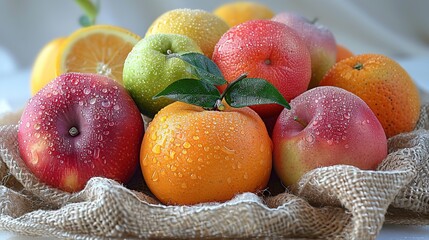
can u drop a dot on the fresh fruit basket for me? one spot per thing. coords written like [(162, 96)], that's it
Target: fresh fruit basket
[(213, 128)]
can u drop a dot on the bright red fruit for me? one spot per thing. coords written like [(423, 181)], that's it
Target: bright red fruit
[(269, 50), (80, 126)]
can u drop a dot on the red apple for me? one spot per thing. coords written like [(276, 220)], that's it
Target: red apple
[(80, 126), (326, 126), (269, 50), (319, 40)]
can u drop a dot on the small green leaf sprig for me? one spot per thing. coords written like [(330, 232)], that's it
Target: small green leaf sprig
[(90, 9), (203, 92)]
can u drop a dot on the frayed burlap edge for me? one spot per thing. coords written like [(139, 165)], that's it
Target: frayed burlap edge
[(339, 202)]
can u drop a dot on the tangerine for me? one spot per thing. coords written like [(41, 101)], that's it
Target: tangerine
[(384, 85), (190, 155)]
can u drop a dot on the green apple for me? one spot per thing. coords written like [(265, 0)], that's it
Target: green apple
[(148, 69)]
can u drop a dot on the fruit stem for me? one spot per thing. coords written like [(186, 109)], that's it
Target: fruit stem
[(358, 66), (73, 131), (300, 121), (314, 20)]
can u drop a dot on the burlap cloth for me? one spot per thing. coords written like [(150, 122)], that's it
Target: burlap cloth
[(340, 202)]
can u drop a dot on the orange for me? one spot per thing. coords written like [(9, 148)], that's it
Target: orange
[(235, 13), (190, 155), (384, 85), (343, 53), (100, 49), (203, 27), (43, 70)]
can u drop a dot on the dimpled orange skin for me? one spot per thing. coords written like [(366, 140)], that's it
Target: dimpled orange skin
[(384, 85), (190, 155)]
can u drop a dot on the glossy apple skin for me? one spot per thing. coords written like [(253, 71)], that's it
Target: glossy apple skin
[(269, 50), (148, 70), (340, 128), (109, 126), (319, 40)]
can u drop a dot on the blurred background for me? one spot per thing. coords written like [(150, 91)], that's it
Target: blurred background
[(396, 28)]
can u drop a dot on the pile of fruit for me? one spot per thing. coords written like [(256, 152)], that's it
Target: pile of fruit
[(236, 97)]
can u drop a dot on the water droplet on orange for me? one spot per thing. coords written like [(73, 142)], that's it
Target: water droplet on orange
[(155, 176), (186, 145), (156, 149)]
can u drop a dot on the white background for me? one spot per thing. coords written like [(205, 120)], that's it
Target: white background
[(398, 29)]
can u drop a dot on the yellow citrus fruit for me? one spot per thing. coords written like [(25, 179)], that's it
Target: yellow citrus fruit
[(100, 49), (384, 85), (238, 12), (190, 155), (44, 70), (203, 27)]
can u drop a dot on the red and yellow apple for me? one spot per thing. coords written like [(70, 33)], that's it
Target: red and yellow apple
[(80, 126), (326, 126), (319, 40), (269, 50)]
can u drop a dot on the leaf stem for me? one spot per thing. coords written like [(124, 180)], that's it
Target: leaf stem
[(241, 77)]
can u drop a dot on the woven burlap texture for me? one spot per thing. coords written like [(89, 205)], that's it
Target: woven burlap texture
[(338, 202)]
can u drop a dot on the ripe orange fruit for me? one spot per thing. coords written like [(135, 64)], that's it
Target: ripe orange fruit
[(43, 70), (203, 27), (190, 155), (100, 49), (235, 13), (384, 85), (342, 53)]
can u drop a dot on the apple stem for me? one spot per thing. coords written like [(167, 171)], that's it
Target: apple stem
[(73, 131), (300, 121), (314, 20)]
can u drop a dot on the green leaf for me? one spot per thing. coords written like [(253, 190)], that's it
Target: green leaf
[(203, 67), (253, 91), (91, 11), (84, 21), (191, 91)]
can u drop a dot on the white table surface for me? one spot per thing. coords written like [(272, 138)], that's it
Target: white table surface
[(14, 92)]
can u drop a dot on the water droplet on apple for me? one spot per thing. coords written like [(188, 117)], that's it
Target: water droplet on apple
[(105, 103), (27, 124), (104, 90), (55, 92), (347, 115), (80, 103), (245, 176), (106, 133), (346, 146), (193, 176), (329, 142), (310, 138), (36, 126), (173, 168), (92, 100), (97, 153), (86, 91), (116, 107)]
